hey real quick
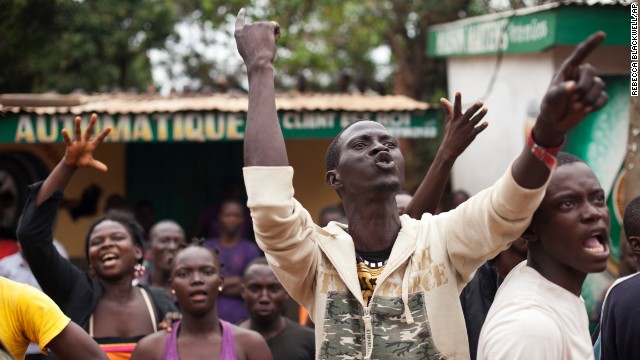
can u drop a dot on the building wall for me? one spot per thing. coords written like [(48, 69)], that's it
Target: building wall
[(69, 232), (307, 159), (610, 60), (520, 83), (513, 103)]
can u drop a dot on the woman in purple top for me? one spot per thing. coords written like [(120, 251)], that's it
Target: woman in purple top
[(196, 282), (235, 253)]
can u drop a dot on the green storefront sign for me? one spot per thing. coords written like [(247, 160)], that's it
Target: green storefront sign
[(528, 33), (211, 126)]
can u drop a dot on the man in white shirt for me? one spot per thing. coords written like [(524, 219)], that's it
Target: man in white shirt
[(538, 312)]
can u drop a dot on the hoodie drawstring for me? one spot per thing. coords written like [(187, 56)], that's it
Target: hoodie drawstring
[(405, 292), (368, 336)]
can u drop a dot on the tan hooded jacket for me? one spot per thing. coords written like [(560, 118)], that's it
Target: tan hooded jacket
[(415, 311)]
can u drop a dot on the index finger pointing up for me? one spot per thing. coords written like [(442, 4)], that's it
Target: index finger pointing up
[(585, 49), (240, 19)]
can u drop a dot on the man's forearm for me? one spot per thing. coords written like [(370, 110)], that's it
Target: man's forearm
[(74, 343), (528, 171), (429, 193), (264, 142)]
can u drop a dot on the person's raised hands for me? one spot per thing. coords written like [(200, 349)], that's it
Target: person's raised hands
[(575, 92), (460, 129), (79, 152), (256, 41)]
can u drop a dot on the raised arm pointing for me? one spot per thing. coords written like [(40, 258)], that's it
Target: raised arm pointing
[(263, 143), (575, 92)]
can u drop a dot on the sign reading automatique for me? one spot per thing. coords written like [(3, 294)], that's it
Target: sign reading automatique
[(210, 126)]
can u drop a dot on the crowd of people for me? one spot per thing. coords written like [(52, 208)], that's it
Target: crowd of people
[(384, 275)]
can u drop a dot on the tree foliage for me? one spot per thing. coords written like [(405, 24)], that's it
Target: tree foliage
[(92, 44), (327, 41), (330, 36), (100, 44)]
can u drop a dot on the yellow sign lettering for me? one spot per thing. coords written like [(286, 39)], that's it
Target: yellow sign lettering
[(162, 126), (177, 127), (233, 122), (194, 127), (213, 128), (25, 130), (142, 129), (41, 128)]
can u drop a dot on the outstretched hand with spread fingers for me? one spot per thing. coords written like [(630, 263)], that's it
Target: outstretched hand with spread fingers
[(256, 41), (575, 91), (79, 152), (460, 129)]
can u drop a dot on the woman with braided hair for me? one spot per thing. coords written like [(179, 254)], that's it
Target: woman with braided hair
[(197, 282)]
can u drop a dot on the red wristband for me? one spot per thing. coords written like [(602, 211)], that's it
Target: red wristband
[(544, 154)]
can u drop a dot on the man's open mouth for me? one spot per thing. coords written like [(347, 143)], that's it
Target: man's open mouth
[(384, 160), (597, 242)]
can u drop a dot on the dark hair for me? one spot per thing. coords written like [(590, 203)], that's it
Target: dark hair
[(127, 220), (163, 222), (333, 151), (232, 201), (117, 201), (257, 261), (631, 222), (565, 158), (197, 243)]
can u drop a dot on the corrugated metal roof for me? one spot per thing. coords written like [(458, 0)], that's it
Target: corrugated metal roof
[(136, 104), (598, 2), (529, 10)]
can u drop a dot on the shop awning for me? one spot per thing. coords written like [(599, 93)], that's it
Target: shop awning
[(29, 118)]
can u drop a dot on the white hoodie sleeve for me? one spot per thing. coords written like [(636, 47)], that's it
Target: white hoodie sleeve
[(284, 229)]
